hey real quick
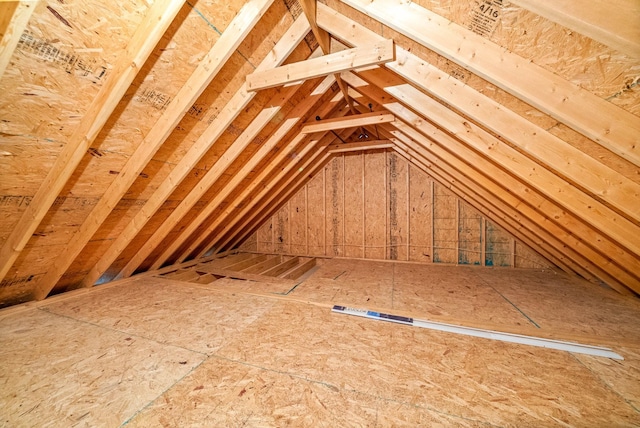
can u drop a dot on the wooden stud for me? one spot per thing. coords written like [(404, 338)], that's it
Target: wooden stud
[(144, 40)]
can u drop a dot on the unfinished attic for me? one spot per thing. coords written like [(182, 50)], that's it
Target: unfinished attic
[(334, 213)]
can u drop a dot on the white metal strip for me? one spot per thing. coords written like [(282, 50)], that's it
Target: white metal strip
[(577, 348)]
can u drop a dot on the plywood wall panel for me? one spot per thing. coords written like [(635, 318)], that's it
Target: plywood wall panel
[(459, 235), (420, 232), (398, 206), (469, 235), (265, 237), (499, 246), (316, 216), (375, 205), (298, 222), (281, 233), (445, 225), (335, 207), (353, 205)]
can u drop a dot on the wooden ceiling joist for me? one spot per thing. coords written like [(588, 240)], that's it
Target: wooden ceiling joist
[(376, 53), (127, 66), (613, 127), (372, 118), (204, 73), (205, 141)]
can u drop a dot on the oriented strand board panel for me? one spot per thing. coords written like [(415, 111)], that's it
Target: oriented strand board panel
[(147, 352), (445, 225), (398, 205), (390, 211), (375, 205), (420, 215), (353, 205), (335, 207)]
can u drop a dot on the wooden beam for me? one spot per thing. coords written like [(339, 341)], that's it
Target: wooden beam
[(205, 141), (374, 118), (614, 23), (204, 73), (235, 181), (376, 53), (360, 146), (612, 127), (14, 17), (127, 66)]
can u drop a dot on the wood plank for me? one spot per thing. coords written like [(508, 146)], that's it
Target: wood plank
[(300, 270), (376, 53), (374, 118), (282, 267), (14, 17), (360, 146), (258, 268), (247, 276), (143, 41), (204, 73), (613, 127), (611, 22)]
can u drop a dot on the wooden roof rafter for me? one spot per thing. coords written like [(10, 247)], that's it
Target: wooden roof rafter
[(613, 127), (207, 181), (204, 73), (194, 237), (470, 161), (205, 141), (14, 17), (128, 64)]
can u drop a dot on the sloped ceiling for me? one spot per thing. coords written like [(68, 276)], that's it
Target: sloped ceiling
[(130, 138)]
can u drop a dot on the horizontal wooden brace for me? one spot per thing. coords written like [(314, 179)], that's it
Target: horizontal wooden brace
[(348, 122), (360, 146), (364, 56)]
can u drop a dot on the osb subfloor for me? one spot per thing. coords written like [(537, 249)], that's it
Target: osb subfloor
[(158, 352)]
